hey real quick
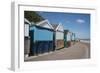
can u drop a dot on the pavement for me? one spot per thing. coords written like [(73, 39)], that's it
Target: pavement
[(77, 51)]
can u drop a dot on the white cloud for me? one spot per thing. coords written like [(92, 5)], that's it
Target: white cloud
[(80, 21)]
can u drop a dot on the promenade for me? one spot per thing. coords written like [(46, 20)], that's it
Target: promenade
[(77, 51)]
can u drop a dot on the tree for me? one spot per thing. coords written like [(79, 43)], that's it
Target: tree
[(32, 16)]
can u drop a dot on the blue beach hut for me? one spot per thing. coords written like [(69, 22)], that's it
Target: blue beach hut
[(41, 35)]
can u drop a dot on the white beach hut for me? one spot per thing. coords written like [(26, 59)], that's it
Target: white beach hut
[(26, 38), (59, 35)]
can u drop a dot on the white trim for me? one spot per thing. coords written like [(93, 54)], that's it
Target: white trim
[(27, 21), (50, 24), (43, 22), (39, 23), (59, 26), (14, 35)]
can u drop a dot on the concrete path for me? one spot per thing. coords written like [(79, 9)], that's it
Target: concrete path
[(76, 51)]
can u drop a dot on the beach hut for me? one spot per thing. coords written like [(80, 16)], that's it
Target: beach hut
[(59, 36), (41, 35), (69, 38), (26, 38)]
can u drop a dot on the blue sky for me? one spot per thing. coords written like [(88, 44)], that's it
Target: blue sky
[(74, 22)]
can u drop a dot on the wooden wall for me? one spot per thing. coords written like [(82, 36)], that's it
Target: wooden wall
[(59, 40)]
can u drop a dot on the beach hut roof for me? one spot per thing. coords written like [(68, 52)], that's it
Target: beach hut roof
[(58, 27), (44, 23), (27, 21), (54, 26)]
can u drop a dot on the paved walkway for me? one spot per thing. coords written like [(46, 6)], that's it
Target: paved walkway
[(76, 51)]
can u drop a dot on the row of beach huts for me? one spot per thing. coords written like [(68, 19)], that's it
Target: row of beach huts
[(44, 37)]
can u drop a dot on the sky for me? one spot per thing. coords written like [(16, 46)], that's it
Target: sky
[(77, 23)]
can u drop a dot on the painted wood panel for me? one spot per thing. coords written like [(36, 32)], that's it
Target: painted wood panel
[(26, 30), (26, 45), (42, 40), (59, 35), (68, 37), (59, 44), (42, 34), (59, 40), (46, 26)]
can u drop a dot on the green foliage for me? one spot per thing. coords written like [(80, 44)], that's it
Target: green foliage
[(32, 16)]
